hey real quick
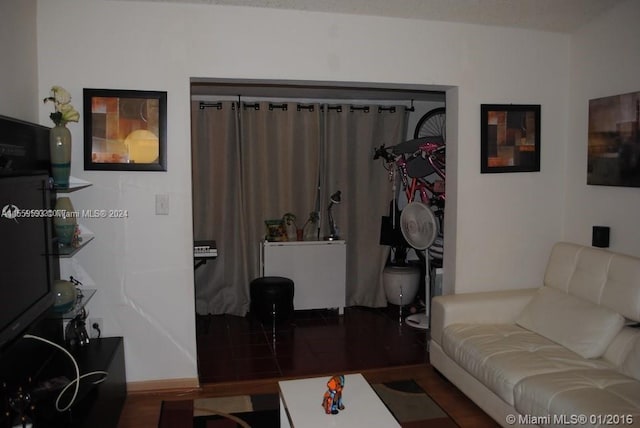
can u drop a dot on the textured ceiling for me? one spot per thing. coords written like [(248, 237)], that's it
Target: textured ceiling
[(563, 16)]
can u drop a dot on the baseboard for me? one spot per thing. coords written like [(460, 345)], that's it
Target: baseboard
[(162, 385)]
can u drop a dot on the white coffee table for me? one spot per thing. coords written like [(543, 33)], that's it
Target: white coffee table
[(301, 405)]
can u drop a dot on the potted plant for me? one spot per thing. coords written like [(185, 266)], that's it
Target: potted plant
[(275, 230), (400, 278), (289, 220)]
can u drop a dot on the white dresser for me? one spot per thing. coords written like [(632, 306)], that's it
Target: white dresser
[(317, 269)]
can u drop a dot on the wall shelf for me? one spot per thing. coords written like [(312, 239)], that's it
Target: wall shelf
[(74, 184), (84, 295), (86, 236), (66, 251)]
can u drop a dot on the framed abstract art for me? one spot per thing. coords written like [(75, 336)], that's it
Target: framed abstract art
[(510, 138), (125, 130)]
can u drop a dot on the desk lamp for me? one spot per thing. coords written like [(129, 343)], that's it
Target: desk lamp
[(333, 230)]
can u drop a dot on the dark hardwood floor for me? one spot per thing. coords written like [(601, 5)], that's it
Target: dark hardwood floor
[(232, 348), (239, 355)]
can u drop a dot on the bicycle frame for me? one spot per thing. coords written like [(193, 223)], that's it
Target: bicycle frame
[(434, 154)]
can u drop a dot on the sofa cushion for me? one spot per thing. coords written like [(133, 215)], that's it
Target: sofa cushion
[(501, 355), (581, 326), (631, 364), (580, 392)]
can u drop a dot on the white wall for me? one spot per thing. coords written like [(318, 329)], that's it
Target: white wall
[(499, 227), (605, 61), (19, 69)]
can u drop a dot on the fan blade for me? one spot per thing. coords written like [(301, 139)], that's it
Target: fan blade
[(419, 225)]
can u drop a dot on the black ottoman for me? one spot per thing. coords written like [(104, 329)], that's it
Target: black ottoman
[(271, 294)]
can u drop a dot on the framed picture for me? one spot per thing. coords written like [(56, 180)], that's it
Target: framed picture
[(125, 130), (510, 138), (614, 141)]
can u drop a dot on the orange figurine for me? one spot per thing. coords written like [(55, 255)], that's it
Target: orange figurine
[(332, 401)]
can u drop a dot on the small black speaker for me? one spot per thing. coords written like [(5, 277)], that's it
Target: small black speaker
[(600, 236)]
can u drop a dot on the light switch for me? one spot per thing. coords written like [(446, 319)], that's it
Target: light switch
[(162, 204)]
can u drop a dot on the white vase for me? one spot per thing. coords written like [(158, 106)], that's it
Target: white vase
[(60, 152), (401, 284), (65, 221)]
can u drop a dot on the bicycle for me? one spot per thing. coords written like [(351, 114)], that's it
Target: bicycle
[(405, 159)]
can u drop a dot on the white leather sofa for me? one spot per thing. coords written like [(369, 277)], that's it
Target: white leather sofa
[(567, 353)]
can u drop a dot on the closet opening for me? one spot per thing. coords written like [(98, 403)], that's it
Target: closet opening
[(265, 150)]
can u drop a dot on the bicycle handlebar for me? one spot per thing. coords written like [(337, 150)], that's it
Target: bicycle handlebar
[(383, 152)]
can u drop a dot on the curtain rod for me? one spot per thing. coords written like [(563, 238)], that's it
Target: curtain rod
[(308, 107), (204, 105)]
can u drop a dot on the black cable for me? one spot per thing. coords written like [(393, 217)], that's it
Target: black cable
[(96, 327)]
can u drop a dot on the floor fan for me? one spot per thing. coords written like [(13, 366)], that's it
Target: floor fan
[(419, 227)]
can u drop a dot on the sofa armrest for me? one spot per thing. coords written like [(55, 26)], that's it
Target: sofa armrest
[(490, 307)]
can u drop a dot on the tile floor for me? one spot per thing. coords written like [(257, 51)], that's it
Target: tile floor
[(232, 348)]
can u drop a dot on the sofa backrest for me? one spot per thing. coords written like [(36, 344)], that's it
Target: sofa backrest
[(600, 276)]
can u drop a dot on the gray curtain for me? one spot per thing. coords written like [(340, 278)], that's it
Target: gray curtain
[(218, 209), (253, 162), (280, 155), (350, 138)]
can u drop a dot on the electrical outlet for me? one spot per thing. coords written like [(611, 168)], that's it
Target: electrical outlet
[(94, 326)]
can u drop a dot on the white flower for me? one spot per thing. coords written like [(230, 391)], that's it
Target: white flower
[(60, 95), (69, 114), (63, 110)]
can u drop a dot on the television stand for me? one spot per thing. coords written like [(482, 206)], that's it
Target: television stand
[(96, 406)]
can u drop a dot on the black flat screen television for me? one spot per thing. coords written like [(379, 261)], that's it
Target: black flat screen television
[(27, 263), (24, 147), (26, 257)]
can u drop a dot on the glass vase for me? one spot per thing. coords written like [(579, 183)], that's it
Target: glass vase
[(60, 152), (310, 231), (65, 221)]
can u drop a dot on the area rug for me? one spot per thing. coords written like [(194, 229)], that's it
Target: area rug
[(411, 405), (408, 402)]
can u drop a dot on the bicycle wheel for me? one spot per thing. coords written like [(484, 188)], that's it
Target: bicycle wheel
[(432, 124)]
